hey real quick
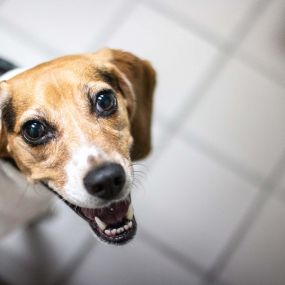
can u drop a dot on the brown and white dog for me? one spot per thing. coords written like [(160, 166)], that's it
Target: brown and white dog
[(72, 127)]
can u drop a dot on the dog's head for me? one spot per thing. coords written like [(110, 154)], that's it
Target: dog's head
[(76, 124)]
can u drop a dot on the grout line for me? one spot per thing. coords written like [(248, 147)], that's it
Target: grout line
[(224, 159), (268, 187), (261, 68), (250, 19), (171, 253), (25, 36), (121, 16), (189, 24), (69, 271)]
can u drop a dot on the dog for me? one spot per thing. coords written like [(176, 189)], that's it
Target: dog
[(72, 127)]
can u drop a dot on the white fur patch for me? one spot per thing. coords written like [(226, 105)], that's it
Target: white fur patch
[(10, 74), (76, 169)]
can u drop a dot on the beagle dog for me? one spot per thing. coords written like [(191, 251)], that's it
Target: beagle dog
[(72, 127)]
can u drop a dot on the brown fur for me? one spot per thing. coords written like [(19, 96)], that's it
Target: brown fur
[(57, 91)]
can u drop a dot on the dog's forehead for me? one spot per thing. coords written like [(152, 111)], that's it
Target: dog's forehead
[(55, 83), (58, 74)]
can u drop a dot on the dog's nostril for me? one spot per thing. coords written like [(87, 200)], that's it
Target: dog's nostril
[(118, 181), (105, 181), (99, 188)]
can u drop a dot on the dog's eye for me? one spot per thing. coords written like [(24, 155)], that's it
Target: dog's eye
[(106, 103), (34, 132)]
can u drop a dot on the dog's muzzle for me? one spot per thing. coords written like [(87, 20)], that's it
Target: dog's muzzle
[(116, 222)]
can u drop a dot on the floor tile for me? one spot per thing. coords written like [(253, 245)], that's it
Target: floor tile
[(19, 51), (68, 28), (265, 41), (192, 204), (40, 254), (134, 263), (260, 258), (221, 17), (242, 116), (179, 57)]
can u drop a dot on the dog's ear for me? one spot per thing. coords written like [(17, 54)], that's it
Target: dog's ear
[(4, 102), (136, 80)]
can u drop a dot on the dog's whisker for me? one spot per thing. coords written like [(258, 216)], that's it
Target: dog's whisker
[(140, 164), (140, 172), (137, 182), (138, 185)]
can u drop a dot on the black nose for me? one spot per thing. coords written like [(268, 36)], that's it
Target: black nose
[(105, 181)]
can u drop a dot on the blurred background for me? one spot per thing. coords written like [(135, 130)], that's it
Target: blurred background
[(210, 200)]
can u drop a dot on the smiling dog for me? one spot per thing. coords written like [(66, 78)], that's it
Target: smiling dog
[(72, 127)]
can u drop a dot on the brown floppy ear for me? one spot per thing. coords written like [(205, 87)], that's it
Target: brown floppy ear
[(4, 102), (136, 79)]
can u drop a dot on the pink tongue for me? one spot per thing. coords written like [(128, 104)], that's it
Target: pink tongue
[(109, 215)]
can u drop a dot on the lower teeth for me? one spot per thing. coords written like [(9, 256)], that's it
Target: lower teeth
[(114, 232)]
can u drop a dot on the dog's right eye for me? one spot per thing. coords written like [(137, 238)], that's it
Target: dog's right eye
[(35, 132), (105, 103)]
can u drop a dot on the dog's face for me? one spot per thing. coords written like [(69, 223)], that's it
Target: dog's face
[(75, 124)]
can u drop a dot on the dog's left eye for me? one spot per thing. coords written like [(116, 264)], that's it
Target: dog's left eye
[(35, 132), (105, 103)]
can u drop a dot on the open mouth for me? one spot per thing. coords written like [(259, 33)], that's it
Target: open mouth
[(114, 224)]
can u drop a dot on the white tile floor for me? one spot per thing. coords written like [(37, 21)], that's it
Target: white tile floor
[(265, 42), (212, 206), (260, 253), (242, 115)]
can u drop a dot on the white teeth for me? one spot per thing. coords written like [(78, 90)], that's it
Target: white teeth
[(119, 231), (116, 231), (130, 213), (101, 224), (113, 232)]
